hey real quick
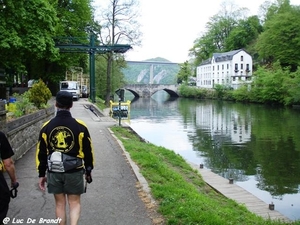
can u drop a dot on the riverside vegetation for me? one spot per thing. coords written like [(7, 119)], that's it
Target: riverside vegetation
[(182, 195), (34, 99), (273, 86)]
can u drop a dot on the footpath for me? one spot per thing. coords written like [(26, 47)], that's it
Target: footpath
[(113, 198)]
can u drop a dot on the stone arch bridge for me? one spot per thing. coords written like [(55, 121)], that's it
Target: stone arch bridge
[(147, 90)]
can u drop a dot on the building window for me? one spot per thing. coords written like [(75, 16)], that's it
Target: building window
[(218, 67), (242, 66), (247, 68), (222, 66), (236, 67), (242, 58), (227, 66), (213, 68)]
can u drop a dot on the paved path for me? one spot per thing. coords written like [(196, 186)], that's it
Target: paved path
[(111, 199)]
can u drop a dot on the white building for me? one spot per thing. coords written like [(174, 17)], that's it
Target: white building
[(228, 68)]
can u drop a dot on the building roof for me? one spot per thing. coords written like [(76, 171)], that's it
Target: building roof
[(223, 56)]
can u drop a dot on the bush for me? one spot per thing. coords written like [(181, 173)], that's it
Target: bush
[(21, 107), (39, 94), (191, 92), (242, 94)]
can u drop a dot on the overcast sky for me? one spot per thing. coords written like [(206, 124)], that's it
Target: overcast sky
[(170, 27)]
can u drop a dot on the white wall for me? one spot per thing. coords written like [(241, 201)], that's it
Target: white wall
[(225, 72)]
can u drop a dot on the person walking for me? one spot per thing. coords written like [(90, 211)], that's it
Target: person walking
[(6, 164), (64, 154)]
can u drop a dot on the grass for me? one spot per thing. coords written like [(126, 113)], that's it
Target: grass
[(183, 196), (100, 103)]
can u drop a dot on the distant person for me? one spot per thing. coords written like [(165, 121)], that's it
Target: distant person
[(64, 154), (6, 164)]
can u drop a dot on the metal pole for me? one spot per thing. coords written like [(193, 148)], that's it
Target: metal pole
[(119, 111), (92, 68)]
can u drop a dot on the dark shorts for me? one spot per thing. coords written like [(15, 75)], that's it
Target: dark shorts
[(66, 183)]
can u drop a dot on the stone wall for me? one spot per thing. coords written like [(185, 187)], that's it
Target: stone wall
[(23, 132)]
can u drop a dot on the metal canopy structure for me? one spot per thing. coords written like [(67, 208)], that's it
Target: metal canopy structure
[(83, 45)]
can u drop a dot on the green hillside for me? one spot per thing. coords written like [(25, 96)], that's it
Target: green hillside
[(139, 72)]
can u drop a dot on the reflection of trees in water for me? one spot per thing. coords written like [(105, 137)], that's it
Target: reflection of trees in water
[(270, 148), (271, 153), (279, 168), (226, 160)]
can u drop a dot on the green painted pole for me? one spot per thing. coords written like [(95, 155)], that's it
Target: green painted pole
[(92, 68)]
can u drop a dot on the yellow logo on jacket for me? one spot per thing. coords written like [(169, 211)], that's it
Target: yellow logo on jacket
[(61, 139)]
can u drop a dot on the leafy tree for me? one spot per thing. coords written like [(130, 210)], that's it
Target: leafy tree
[(218, 29), (281, 37), (118, 26), (29, 30), (244, 34), (267, 86), (75, 22), (203, 48), (26, 30), (292, 86), (184, 73)]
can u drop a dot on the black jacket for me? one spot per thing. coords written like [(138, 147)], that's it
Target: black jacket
[(65, 134)]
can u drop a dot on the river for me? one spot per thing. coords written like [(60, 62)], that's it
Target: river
[(256, 145)]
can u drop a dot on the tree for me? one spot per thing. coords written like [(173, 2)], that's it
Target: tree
[(29, 30), (267, 85), (26, 31), (75, 20), (218, 29), (184, 73), (280, 38), (244, 34), (203, 48), (118, 25), (101, 68)]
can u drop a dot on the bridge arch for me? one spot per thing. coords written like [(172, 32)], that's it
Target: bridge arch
[(147, 90), (136, 95), (170, 92)]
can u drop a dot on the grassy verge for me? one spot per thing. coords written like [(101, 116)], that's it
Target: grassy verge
[(100, 103), (183, 196)]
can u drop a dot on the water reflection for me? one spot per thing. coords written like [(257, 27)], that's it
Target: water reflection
[(256, 145)]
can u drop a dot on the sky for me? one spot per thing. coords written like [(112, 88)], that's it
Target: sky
[(170, 27)]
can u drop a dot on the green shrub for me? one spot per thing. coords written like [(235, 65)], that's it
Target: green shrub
[(22, 106), (191, 91), (242, 94), (39, 94)]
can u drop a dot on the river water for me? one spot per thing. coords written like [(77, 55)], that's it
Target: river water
[(258, 146)]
